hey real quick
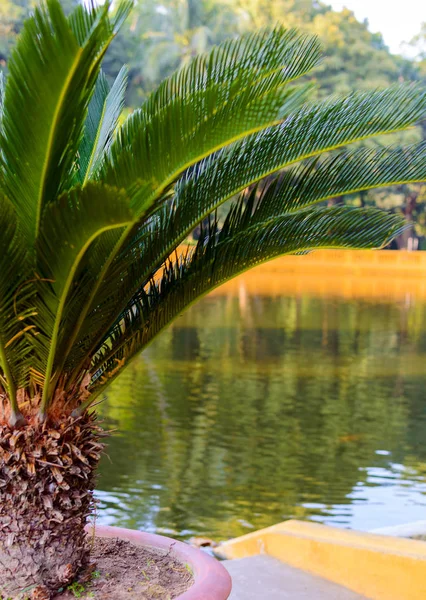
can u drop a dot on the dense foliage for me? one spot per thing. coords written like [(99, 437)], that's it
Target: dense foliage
[(90, 219), (162, 36), (93, 212)]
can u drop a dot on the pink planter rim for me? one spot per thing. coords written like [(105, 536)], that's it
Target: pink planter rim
[(211, 580)]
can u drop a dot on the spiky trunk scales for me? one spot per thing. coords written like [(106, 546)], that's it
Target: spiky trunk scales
[(47, 477)]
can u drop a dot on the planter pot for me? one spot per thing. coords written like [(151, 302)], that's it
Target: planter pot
[(211, 579)]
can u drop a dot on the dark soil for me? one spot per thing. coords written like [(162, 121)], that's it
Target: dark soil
[(124, 571)]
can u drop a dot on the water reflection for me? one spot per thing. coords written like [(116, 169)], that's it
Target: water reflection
[(254, 409)]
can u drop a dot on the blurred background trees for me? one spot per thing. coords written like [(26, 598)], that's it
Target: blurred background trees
[(163, 35)]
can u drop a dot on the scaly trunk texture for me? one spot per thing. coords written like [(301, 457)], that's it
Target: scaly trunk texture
[(47, 476)]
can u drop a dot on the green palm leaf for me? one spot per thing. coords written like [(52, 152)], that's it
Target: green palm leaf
[(219, 180), (104, 111), (314, 130), (251, 235), (91, 212), (207, 105), (43, 119), (14, 334), (199, 111), (308, 132), (221, 177), (69, 227), (146, 163)]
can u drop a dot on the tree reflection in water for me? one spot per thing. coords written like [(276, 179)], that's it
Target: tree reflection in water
[(254, 409)]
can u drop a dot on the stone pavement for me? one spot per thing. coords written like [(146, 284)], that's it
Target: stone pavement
[(265, 578)]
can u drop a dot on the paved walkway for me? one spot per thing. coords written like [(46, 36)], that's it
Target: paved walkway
[(266, 578)]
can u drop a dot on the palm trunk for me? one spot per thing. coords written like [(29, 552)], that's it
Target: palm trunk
[(47, 475)]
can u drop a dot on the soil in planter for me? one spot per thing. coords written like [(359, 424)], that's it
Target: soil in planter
[(125, 571)]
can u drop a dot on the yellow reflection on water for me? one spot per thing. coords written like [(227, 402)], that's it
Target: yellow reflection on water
[(340, 273)]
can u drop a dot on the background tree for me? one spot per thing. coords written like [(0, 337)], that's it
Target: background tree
[(12, 16)]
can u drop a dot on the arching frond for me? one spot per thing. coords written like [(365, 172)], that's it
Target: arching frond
[(146, 160), (312, 131), (217, 180), (247, 239), (207, 105), (308, 132), (69, 227), (302, 185), (202, 110), (91, 215)]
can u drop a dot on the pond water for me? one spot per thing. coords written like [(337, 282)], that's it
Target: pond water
[(252, 409)]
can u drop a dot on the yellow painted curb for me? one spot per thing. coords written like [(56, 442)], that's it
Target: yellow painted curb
[(376, 566)]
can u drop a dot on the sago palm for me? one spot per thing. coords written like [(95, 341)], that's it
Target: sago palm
[(91, 215)]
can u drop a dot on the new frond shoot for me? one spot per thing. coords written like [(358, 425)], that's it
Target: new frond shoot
[(94, 215)]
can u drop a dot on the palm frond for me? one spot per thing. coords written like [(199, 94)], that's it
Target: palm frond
[(307, 183), (311, 131), (69, 227), (14, 334), (43, 119), (200, 112), (216, 180), (105, 108), (137, 163), (147, 157), (90, 216), (245, 61), (207, 105), (247, 239)]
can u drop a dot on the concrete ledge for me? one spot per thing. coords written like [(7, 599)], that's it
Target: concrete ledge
[(378, 567)]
